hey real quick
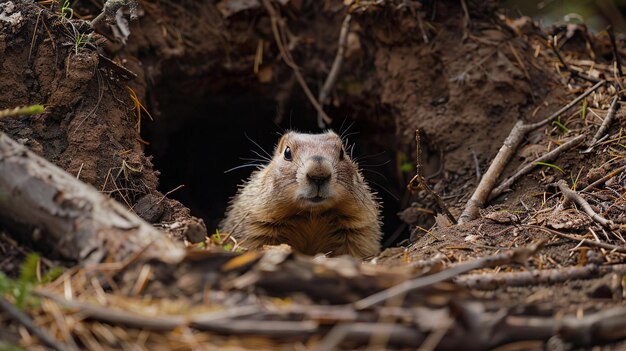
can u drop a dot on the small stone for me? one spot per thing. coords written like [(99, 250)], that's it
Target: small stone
[(195, 231), (150, 208)]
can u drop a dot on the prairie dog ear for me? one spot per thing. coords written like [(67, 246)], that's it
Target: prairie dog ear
[(332, 132), (282, 143)]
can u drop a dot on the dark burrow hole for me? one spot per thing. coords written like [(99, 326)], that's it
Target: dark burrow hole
[(198, 134)]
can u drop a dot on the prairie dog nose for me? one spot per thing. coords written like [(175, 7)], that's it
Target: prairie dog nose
[(318, 170)]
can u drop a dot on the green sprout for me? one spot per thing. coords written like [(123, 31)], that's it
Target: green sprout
[(21, 288), (81, 40), (558, 123), (66, 10), (583, 111), (21, 111), (550, 165)]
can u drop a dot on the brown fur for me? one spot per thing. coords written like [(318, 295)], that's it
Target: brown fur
[(273, 206)]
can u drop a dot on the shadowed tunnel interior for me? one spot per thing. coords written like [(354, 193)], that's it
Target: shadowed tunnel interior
[(195, 138)]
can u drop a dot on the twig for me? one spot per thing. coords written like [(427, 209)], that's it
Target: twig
[(511, 143), (363, 332), (284, 53), (552, 42), (419, 182), (420, 23), (476, 165), (121, 71), (518, 255), (27, 322), (487, 182), (573, 73), (169, 193), (614, 107), (605, 178), (504, 186), (466, 15), (436, 336), (335, 68), (32, 41), (580, 240), (199, 321), (108, 315), (488, 330), (418, 154), (492, 281), (594, 328), (575, 197), (429, 262), (219, 321), (618, 60), (567, 107), (274, 329)]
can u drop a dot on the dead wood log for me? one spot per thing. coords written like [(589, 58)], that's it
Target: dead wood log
[(47, 205)]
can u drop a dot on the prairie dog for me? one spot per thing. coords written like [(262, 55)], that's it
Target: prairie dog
[(311, 196)]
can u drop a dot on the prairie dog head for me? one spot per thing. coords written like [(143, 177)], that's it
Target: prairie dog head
[(313, 170)]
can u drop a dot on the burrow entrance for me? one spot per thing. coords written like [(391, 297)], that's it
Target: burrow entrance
[(199, 133)]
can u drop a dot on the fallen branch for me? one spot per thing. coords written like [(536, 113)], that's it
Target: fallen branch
[(274, 329), (511, 143), (492, 281), (573, 73), (116, 317), (219, 322), (505, 185), (519, 255), (616, 56), (593, 329), (420, 23), (27, 322), (362, 333), (419, 182), (203, 321), (335, 68), (50, 206), (614, 107), (581, 240), (604, 179), (575, 197), (277, 26), (483, 331)]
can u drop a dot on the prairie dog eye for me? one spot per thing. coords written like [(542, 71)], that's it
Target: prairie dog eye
[(341, 154), (287, 154)]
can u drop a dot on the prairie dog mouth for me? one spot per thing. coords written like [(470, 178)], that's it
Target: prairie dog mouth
[(316, 199)]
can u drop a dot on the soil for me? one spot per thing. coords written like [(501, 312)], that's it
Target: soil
[(193, 89)]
